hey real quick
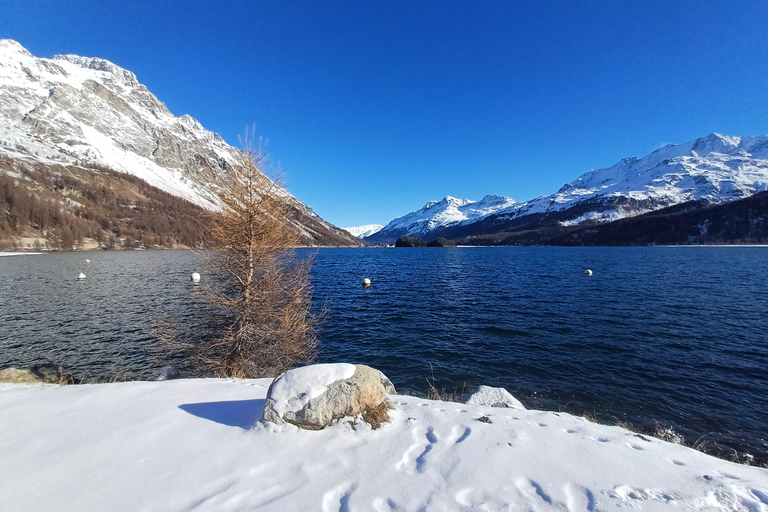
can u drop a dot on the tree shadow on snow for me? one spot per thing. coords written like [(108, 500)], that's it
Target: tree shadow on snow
[(236, 413)]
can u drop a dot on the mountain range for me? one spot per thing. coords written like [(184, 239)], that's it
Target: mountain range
[(714, 169), (88, 152), (83, 117)]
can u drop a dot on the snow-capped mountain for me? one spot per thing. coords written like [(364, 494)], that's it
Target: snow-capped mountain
[(364, 231), (715, 168), (450, 211), (89, 112)]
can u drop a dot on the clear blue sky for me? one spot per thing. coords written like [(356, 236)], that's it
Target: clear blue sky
[(376, 107)]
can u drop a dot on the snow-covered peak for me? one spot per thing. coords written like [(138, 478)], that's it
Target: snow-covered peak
[(446, 212), (8, 46), (364, 231), (447, 201), (127, 77), (91, 110)]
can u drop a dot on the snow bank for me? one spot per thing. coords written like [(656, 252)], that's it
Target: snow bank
[(191, 445)]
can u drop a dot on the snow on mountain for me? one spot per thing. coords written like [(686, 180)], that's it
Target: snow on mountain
[(448, 212), (715, 168), (364, 231), (82, 111), (72, 109)]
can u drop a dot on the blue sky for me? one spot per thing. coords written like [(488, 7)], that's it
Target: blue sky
[(376, 107)]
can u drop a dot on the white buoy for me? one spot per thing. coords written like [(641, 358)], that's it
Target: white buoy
[(366, 282), (195, 277), (588, 272), (87, 261), (81, 276)]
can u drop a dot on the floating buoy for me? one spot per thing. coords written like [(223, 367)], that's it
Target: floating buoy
[(81, 276), (366, 282), (195, 277), (87, 261), (588, 272)]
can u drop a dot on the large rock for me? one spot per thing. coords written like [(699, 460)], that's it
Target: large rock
[(494, 397), (315, 396), (17, 376)]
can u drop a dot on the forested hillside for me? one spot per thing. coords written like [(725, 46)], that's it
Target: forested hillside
[(69, 207)]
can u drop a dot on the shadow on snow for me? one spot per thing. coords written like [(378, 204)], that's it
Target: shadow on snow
[(236, 413)]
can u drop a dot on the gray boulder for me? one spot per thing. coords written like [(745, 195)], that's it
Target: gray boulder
[(313, 397), (494, 397)]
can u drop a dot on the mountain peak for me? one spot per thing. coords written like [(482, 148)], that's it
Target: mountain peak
[(495, 199), (99, 64), (9, 45)]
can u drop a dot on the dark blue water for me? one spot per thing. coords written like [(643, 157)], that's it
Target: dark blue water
[(669, 335)]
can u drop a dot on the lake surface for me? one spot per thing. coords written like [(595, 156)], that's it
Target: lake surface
[(670, 335)]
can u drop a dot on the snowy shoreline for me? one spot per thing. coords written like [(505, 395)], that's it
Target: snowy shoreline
[(197, 444), (20, 254)]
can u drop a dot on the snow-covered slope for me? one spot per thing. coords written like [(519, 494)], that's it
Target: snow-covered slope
[(447, 212), (72, 110), (197, 445), (715, 168), (364, 231)]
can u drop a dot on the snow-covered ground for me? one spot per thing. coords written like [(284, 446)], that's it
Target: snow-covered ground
[(197, 445)]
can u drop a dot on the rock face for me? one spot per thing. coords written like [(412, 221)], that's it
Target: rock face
[(494, 397), (315, 396)]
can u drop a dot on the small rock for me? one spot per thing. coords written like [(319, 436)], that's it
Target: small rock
[(313, 397), (484, 419), (494, 397), (168, 373)]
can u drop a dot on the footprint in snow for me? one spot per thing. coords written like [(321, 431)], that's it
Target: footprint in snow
[(337, 499), (386, 505), (421, 460)]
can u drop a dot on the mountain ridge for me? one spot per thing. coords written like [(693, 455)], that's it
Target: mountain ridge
[(87, 112), (715, 168)]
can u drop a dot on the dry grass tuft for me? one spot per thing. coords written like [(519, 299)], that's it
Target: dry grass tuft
[(442, 395), (377, 416)]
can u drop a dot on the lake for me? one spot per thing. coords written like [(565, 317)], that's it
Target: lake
[(674, 335)]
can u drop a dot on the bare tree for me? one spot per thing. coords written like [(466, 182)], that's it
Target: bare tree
[(263, 290)]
